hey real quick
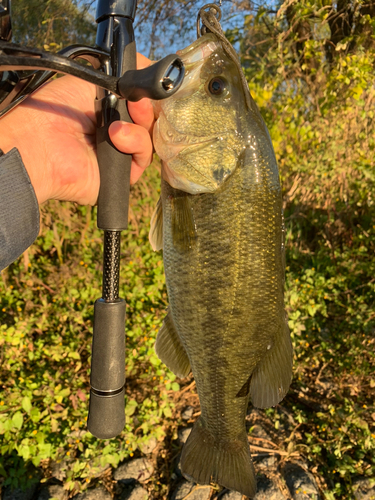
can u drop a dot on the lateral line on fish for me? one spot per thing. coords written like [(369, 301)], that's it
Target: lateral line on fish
[(213, 25), (235, 290)]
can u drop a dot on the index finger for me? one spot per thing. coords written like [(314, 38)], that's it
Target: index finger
[(142, 61), (142, 112)]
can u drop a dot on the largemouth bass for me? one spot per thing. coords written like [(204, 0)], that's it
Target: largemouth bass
[(219, 222)]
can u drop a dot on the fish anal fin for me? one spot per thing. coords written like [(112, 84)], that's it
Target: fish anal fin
[(271, 378), (182, 222), (207, 461), (156, 228), (170, 350)]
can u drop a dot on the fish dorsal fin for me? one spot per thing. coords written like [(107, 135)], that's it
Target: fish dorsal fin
[(170, 350), (182, 222), (156, 227)]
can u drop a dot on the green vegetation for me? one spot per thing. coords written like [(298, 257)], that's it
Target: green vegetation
[(314, 86), (45, 341), (311, 70)]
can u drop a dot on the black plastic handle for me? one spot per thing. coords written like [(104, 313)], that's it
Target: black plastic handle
[(158, 81), (107, 394)]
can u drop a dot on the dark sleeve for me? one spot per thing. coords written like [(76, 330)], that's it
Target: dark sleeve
[(19, 211)]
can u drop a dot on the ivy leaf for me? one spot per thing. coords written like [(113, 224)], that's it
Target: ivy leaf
[(17, 420), (26, 404), (35, 415)]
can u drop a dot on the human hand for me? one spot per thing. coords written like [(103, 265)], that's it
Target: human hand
[(55, 132)]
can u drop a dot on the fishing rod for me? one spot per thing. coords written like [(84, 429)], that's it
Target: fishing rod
[(113, 59)]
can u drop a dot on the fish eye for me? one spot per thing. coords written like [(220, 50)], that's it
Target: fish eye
[(216, 86)]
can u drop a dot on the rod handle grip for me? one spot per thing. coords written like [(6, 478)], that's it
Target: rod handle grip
[(106, 415), (107, 396), (114, 167)]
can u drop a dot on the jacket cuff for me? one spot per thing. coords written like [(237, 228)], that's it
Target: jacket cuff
[(19, 210)]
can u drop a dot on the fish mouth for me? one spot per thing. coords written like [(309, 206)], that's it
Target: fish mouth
[(171, 136)]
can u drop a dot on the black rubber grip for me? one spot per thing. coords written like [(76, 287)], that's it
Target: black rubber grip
[(158, 81), (107, 403), (114, 168), (106, 415), (108, 346)]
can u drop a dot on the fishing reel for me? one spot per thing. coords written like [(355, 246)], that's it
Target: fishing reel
[(18, 64), (113, 70)]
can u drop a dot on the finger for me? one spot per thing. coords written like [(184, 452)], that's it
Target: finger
[(142, 113), (142, 61), (135, 140)]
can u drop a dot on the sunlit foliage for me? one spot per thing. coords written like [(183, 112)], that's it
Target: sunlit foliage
[(310, 67)]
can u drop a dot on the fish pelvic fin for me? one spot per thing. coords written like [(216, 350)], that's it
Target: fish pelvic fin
[(271, 378), (228, 463), (156, 228), (170, 350)]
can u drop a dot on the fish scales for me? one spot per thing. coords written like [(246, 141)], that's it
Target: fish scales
[(240, 294), (222, 236)]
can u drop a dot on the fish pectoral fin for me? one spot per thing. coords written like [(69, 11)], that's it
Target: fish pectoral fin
[(182, 222), (170, 350), (156, 228), (206, 460), (271, 378)]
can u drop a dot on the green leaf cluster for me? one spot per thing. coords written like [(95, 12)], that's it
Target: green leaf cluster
[(46, 307), (310, 67), (52, 24)]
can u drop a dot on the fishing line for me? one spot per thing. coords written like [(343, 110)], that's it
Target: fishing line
[(210, 15)]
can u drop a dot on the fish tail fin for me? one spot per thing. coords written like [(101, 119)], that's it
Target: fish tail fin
[(207, 461)]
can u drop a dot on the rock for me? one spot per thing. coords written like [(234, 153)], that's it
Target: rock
[(187, 413), (194, 491), (265, 462), (134, 493), (231, 495), (267, 489), (182, 490), (52, 491), (183, 434), (99, 493), (259, 432), (138, 469), (177, 466), (18, 494), (301, 484), (149, 446), (363, 489)]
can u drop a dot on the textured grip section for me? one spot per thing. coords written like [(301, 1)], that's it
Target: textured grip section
[(111, 265), (108, 347), (114, 167), (106, 415)]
